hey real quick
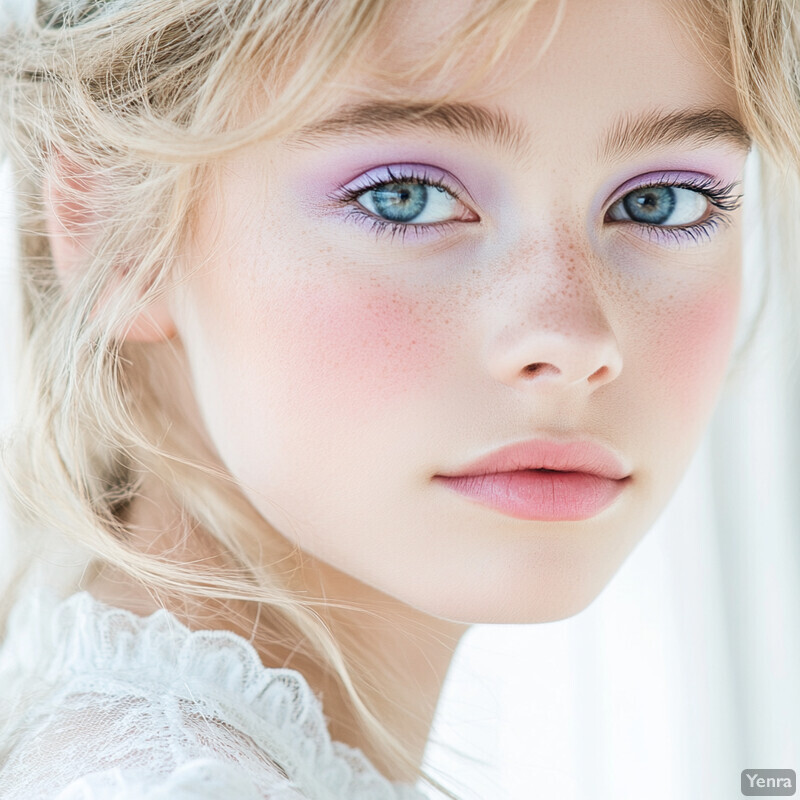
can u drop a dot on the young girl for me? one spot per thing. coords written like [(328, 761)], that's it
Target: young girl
[(348, 324)]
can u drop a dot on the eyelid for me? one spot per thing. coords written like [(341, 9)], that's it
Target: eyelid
[(382, 173), (690, 180)]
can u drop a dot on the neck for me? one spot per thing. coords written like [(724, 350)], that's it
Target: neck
[(410, 649)]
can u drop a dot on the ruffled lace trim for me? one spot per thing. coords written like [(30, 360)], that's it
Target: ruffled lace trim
[(55, 640)]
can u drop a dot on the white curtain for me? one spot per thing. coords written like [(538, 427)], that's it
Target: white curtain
[(686, 669)]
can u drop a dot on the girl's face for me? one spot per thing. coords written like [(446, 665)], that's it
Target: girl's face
[(349, 339)]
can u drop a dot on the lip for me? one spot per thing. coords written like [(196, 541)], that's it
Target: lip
[(581, 479)]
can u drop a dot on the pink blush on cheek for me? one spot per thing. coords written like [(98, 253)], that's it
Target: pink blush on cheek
[(361, 346), (694, 345)]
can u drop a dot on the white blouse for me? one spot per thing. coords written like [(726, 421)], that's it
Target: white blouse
[(114, 706)]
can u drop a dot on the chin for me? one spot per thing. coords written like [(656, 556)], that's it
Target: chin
[(542, 604)]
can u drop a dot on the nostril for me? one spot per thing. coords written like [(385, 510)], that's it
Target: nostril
[(601, 374), (533, 369)]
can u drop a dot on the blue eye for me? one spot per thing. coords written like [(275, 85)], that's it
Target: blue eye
[(411, 201), (661, 205), (679, 210)]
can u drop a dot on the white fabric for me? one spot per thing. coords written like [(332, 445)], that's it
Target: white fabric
[(114, 706)]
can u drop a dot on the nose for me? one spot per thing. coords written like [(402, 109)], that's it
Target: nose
[(552, 333)]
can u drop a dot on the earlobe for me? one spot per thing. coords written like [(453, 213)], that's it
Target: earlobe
[(71, 217)]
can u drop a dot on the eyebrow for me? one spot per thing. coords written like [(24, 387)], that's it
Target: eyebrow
[(628, 135)]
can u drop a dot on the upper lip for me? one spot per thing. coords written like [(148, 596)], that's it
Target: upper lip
[(572, 456)]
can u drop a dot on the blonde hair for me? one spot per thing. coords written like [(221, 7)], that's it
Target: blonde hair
[(140, 97)]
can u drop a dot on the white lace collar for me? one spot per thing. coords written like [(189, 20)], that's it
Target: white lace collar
[(50, 639)]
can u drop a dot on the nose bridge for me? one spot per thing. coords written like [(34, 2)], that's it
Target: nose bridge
[(549, 316)]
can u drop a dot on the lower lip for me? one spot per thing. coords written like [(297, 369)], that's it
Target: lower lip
[(540, 495)]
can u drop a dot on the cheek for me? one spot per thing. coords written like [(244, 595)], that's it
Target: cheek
[(694, 343), (356, 348)]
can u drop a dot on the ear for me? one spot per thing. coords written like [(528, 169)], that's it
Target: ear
[(71, 217)]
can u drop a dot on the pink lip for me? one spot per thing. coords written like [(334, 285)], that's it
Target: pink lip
[(581, 479)]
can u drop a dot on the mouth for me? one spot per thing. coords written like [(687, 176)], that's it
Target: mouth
[(539, 494), (543, 480)]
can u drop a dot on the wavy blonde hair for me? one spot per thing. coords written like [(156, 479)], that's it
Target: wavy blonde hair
[(141, 96)]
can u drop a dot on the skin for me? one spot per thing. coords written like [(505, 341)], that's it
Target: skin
[(334, 373)]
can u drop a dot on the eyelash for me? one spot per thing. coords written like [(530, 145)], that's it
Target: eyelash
[(381, 227), (720, 196)]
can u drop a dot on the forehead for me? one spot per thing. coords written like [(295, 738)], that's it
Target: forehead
[(584, 31), (626, 74)]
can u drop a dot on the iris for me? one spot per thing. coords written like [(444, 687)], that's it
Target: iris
[(400, 202), (651, 204)]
